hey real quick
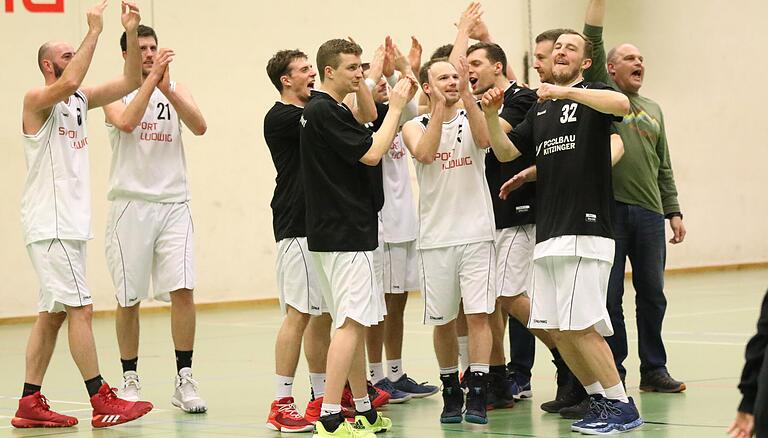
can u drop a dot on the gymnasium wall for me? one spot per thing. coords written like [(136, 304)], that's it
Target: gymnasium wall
[(697, 63)]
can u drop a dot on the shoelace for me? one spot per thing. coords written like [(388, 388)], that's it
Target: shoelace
[(43, 403), (187, 379), (112, 400), (290, 410), (132, 382), (409, 380)]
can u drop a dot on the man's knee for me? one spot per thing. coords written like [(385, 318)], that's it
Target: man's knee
[(84, 313), (182, 297), (296, 319), (52, 321)]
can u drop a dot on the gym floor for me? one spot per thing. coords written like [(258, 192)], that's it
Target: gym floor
[(709, 319)]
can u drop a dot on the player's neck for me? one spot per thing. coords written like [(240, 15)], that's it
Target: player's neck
[(337, 95), (501, 83), (449, 113), (573, 82), (292, 99)]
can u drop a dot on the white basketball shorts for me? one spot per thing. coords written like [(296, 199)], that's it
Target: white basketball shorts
[(569, 293), (60, 268), (514, 253), (401, 267), (297, 277), (149, 240), (455, 273)]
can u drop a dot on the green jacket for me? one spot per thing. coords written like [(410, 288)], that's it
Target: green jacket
[(643, 176)]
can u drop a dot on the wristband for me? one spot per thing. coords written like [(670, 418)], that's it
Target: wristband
[(673, 214), (370, 83)]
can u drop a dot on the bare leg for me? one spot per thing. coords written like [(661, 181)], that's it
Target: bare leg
[(480, 338), (446, 345), (127, 328), (357, 374), (498, 327), (183, 319), (317, 339), (81, 343), (393, 330), (593, 358), (288, 342), (519, 306), (341, 355), (40, 346), (374, 340)]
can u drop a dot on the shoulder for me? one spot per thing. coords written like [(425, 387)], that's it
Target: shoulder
[(596, 85)]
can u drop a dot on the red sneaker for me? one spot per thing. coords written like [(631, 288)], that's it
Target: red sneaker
[(34, 411), (312, 414), (378, 396), (110, 410), (347, 399), (283, 417)]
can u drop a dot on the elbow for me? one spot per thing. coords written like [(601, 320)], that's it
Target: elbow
[(424, 158), (200, 130), (70, 85), (125, 126), (623, 106), (370, 160)]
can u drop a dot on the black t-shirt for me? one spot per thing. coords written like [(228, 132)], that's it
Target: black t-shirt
[(341, 213), (281, 132), (571, 142), (518, 208)]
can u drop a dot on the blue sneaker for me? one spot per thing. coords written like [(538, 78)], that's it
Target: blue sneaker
[(416, 390), (614, 417), (395, 395), (523, 383), (595, 406)]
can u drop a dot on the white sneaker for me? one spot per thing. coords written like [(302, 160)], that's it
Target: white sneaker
[(131, 387), (186, 397)]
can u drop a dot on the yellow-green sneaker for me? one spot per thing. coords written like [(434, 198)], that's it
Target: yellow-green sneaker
[(345, 430), (382, 423)]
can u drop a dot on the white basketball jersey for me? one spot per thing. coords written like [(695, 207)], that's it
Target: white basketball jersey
[(399, 211), (149, 164), (56, 203), (454, 200)]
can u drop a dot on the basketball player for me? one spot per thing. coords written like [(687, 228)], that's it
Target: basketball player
[(456, 231), (149, 226), (568, 131), (301, 300), (56, 218), (337, 153)]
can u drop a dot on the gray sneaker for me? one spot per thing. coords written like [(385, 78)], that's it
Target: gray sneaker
[(186, 396), (417, 390), (131, 387)]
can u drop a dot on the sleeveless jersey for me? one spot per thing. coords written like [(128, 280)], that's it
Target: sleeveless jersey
[(455, 205), (399, 211), (148, 164), (56, 203)]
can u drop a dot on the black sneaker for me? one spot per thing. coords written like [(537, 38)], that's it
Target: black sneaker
[(660, 381), (573, 395), (477, 400), (564, 378), (501, 392), (453, 399), (577, 411)]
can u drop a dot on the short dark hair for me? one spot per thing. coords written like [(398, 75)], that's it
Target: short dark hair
[(587, 43), (328, 54), (443, 51), (493, 52), (280, 65), (424, 70), (550, 35), (143, 31)]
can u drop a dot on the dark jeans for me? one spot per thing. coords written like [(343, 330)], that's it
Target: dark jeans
[(522, 348), (639, 236)]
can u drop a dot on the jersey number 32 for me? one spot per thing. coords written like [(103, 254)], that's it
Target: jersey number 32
[(569, 113)]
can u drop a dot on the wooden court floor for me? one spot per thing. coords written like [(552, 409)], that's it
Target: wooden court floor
[(709, 319)]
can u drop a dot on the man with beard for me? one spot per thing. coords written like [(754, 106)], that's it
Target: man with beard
[(337, 153), (149, 226), (56, 218), (568, 131), (301, 299), (645, 193)]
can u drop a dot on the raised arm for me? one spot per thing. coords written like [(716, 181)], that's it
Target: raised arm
[(127, 117), (39, 101), (475, 116), (185, 105), (593, 31), (361, 103), (403, 92), (130, 80), (502, 146), (605, 101), (468, 19)]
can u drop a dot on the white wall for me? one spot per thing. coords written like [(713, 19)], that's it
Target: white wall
[(699, 70)]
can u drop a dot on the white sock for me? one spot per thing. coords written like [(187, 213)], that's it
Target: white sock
[(283, 386), (464, 352), (479, 368), (329, 409), (595, 388), (617, 393), (317, 382), (395, 368), (376, 372), (362, 404), (449, 370)]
